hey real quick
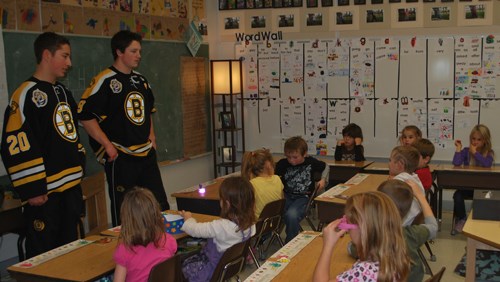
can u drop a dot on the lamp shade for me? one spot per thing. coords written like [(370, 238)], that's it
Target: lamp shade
[(226, 77)]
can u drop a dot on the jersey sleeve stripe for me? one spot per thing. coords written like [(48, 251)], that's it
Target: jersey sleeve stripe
[(136, 150), (25, 165), (65, 186), (29, 179), (54, 177), (27, 172), (65, 180)]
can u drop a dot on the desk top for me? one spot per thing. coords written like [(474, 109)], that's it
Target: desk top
[(485, 231), (371, 183), (450, 167), (115, 231), (211, 192), (301, 266), (334, 163), (384, 166), (87, 263)]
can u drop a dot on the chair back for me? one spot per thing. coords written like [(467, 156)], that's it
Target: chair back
[(166, 271), (437, 277), (270, 218), (231, 262)]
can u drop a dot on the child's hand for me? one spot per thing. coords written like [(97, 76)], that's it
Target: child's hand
[(458, 145), (331, 235), (417, 192), (320, 185), (358, 141), (472, 149), (340, 142), (185, 214)]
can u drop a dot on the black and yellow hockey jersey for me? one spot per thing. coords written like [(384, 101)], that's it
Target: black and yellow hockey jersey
[(40, 145), (122, 104)]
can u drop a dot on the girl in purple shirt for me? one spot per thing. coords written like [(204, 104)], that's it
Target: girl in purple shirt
[(479, 153)]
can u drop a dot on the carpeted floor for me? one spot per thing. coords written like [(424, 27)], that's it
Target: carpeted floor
[(487, 266)]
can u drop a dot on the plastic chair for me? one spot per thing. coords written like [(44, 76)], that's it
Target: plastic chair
[(437, 277), (231, 263), (269, 223), (166, 271)]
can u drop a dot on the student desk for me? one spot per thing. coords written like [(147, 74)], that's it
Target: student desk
[(383, 168), (301, 266), (11, 217), (199, 217), (465, 177), (482, 235), (341, 171), (87, 263), (207, 203), (330, 209)]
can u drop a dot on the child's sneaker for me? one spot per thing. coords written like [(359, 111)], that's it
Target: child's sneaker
[(459, 225), (249, 258)]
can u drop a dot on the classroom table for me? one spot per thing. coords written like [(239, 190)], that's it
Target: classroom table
[(330, 209), (11, 217), (342, 171), (115, 231), (87, 263), (301, 266), (464, 177), (481, 235), (194, 201), (383, 168)]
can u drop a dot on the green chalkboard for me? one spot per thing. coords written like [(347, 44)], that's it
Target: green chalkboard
[(160, 64)]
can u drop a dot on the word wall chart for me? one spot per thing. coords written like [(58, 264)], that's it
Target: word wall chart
[(314, 88)]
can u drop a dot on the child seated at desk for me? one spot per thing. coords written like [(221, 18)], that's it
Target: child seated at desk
[(374, 225), (479, 153), (426, 150), (349, 148), (402, 165), (302, 176), (258, 167), (409, 135), (143, 242), (416, 234), (237, 224)]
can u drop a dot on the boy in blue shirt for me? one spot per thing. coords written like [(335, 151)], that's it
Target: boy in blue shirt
[(302, 175)]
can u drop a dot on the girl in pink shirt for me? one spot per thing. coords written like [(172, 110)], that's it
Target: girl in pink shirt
[(143, 242)]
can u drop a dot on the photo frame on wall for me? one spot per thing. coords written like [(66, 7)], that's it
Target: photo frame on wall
[(440, 13), (344, 18), (227, 120), (286, 20), (232, 22), (227, 154), (326, 3), (476, 13), (312, 3), (407, 15)]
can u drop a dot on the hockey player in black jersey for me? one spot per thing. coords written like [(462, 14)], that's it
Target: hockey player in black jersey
[(116, 110), (41, 149)]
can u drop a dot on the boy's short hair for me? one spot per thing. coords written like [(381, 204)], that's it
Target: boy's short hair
[(294, 144), (122, 39), (48, 41), (408, 155), (352, 130), (400, 192), (425, 148)]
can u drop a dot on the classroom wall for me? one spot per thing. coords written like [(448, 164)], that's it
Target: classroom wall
[(380, 145)]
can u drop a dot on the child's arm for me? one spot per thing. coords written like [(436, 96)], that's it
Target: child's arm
[(458, 158), (330, 238), (480, 159), (430, 220), (359, 152), (324, 178), (120, 273), (338, 152)]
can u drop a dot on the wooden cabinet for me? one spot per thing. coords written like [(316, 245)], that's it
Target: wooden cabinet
[(228, 126)]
